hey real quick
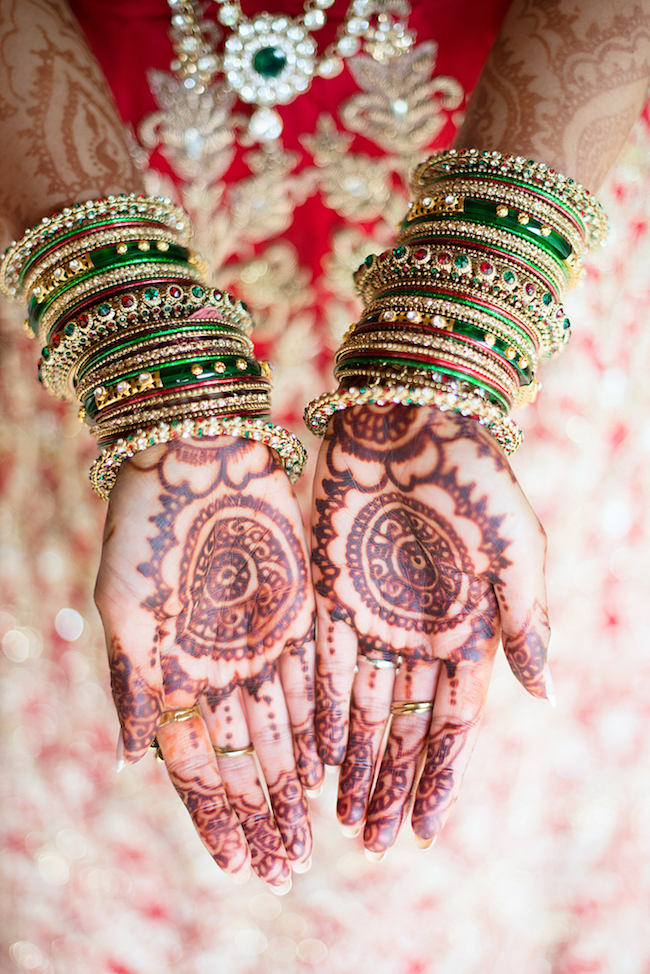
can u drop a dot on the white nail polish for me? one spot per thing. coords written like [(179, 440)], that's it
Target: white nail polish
[(350, 831), (301, 867), (313, 792), (241, 878), (550, 688), (331, 768), (374, 856), (282, 890), (119, 752)]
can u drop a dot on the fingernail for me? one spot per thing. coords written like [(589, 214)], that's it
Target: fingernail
[(119, 752), (550, 688), (350, 831), (424, 843), (282, 890), (331, 768), (374, 856), (301, 867), (313, 792), (241, 878)]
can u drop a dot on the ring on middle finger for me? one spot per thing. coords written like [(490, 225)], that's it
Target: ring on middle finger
[(232, 752), (402, 707), (381, 664)]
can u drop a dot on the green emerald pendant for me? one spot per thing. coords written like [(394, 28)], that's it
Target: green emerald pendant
[(269, 62)]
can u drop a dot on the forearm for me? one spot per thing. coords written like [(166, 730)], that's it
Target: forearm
[(61, 140), (564, 83)]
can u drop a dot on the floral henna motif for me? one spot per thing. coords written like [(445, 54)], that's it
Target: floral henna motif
[(291, 814), (243, 578), (409, 566), (268, 857), (176, 679), (138, 704), (526, 652), (439, 783), (391, 792), (331, 718), (215, 821), (358, 767)]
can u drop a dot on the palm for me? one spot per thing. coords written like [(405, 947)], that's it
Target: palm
[(204, 594), (419, 535)]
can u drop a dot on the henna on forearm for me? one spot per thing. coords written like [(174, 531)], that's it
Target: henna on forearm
[(61, 140), (563, 84)]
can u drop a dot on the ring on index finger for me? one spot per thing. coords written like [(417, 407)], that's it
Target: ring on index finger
[(402, 707), (173, 716)]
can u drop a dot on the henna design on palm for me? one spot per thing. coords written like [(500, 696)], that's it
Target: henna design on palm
[(219, 576), (411, 550)]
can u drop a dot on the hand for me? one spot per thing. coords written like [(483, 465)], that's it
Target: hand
[(205, 596), (424, 548)]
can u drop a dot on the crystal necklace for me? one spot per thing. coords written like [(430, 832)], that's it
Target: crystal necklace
[(270, 59)]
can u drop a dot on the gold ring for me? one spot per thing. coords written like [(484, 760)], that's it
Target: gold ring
[(177, 715), (233, 752), (156, 747), (381, 664), (402, 707)]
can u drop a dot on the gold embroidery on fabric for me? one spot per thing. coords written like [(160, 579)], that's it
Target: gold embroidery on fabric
[(399, 107)]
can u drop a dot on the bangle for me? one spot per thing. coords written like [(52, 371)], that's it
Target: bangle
[(103, 472), (459, 397)]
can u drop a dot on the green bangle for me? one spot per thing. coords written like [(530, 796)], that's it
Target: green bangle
[(175, 375), (364, 364), (109, 259)]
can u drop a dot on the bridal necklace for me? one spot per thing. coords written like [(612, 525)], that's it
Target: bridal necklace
[(270, 59)]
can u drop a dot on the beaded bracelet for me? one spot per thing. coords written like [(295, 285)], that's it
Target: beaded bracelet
[(104, 470), (459, 397)]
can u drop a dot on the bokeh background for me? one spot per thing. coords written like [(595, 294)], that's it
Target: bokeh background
[(544, 867)]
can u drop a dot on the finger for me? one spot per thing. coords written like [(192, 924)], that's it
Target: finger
[(458, 706), (369, 713), (136, 681), (227, 728), (296, 667), (336, 653), (521, 594), (268, 721), (407, 738), (193, 771)]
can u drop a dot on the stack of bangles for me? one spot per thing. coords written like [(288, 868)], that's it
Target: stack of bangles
[(131, 332), (458, 313)]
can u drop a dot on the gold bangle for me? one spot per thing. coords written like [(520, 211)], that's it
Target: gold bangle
[(471, 163), (514, 197), (84, 215), (292, 453), (256, 404), (133, 274), (445, 234)]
